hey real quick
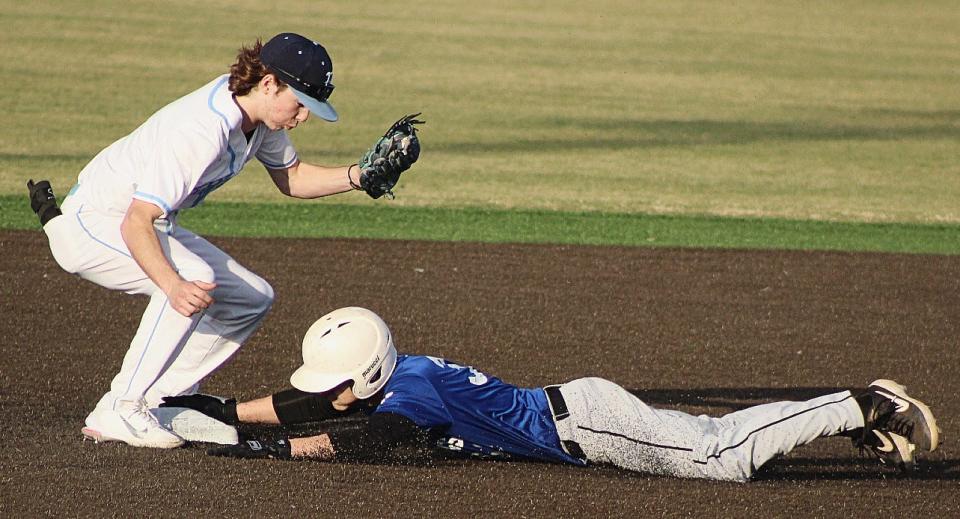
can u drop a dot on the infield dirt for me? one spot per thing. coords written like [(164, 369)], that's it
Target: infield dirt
[(698, 330)]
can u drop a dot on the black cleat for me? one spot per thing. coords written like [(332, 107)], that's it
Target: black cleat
[(887, 407), (42, 201), (890, 448)]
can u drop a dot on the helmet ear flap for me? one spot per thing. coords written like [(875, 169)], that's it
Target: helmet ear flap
[(381, 368)]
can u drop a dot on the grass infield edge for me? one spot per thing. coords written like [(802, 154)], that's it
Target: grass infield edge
[(321, 219)]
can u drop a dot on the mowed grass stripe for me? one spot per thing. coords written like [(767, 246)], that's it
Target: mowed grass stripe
[(819, 110), (381, 221)]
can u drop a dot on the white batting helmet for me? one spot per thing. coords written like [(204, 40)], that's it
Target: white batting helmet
[(347, 344)]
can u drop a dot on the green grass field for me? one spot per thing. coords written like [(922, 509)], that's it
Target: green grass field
[(530, 226), (836, 115)]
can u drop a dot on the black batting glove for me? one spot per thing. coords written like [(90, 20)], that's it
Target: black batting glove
[(214, 407), (42, 200), (255, 449)]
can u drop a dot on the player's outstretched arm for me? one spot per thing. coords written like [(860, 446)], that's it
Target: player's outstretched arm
[(291, 406), (227, 410), (313, 447), (222, 409), (383, 439), (376, 173), (387, 437), (305, 180)]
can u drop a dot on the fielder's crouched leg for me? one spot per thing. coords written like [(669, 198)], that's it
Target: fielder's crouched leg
[(242, 300)]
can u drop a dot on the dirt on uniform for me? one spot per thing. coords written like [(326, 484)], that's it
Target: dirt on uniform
[(704, 331)]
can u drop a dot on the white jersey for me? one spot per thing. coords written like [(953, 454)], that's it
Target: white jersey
[(180, 154)]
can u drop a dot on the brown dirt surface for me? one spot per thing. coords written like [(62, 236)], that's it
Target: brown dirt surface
[(697, 330)]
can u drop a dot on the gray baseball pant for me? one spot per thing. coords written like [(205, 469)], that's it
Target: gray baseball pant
[(612, 426)]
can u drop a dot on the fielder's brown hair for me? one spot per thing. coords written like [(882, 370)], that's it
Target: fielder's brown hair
[(248, 70)]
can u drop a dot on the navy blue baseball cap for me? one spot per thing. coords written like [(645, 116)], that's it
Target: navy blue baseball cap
[(305, 67)]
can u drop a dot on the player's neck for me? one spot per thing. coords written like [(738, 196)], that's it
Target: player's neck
[(246, 106)]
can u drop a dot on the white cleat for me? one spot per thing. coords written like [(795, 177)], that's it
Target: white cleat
[(130, 423)]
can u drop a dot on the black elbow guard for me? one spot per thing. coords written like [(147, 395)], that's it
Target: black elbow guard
[(295, 406)]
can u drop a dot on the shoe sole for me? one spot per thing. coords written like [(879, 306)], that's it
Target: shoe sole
[(98, 437), (901, 392)]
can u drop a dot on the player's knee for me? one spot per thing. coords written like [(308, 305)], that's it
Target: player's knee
[(242, 300), (732, 469), (259, 296), (198, 272), (266, 296), (735, 473)]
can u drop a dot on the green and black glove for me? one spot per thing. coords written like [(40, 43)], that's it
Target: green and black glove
[(391, 155)]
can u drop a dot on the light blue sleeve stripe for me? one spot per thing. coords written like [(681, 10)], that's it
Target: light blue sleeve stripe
[(159, 201)]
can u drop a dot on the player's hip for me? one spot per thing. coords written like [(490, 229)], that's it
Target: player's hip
[(611, 425)]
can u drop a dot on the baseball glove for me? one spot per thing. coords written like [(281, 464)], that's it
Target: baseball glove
[(391, 155)]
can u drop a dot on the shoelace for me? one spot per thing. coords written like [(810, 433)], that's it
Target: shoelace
[(142, 413), (863, 447), (899, 425), (889, 419)]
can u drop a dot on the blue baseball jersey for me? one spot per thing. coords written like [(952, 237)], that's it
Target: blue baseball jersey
[(473, 413)]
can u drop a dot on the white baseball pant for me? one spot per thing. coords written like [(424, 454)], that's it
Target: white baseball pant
[(169, 354)]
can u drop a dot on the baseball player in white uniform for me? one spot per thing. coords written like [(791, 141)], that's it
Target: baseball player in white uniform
[(119, 228)]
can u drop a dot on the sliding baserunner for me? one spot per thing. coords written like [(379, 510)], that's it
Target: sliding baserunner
[(418, 404)]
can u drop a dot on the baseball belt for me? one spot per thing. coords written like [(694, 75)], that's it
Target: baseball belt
[(558, 408)]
